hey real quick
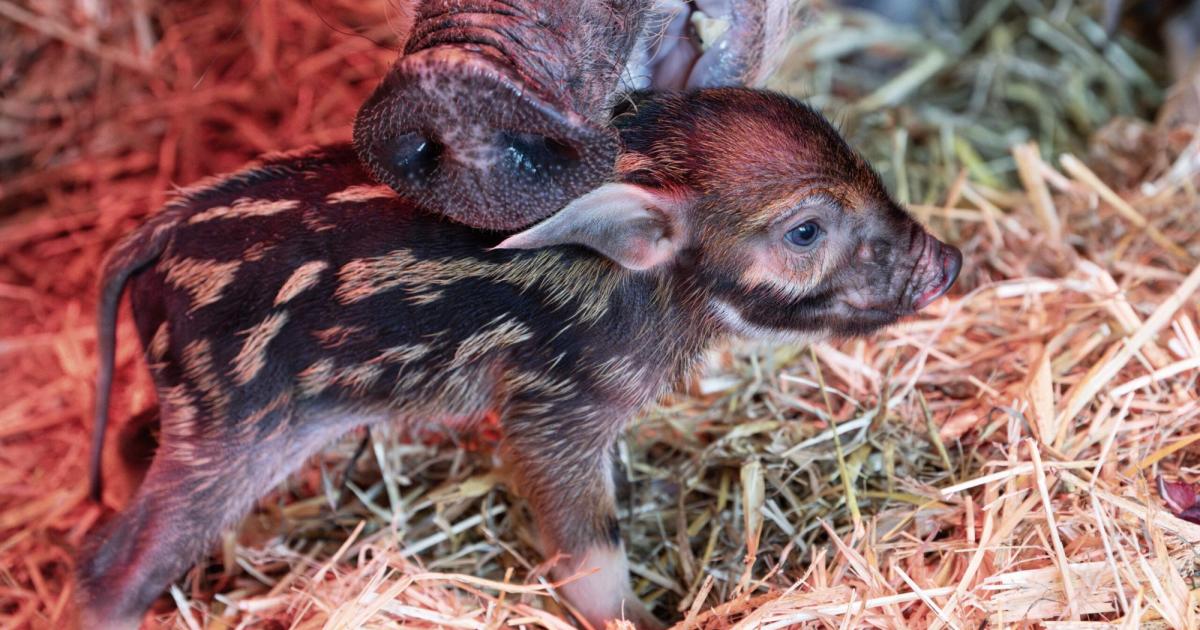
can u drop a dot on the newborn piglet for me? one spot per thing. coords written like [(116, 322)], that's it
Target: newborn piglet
[(283, 306)]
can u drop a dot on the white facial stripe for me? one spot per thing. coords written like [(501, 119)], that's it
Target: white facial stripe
[(738, 324), (777, 283)]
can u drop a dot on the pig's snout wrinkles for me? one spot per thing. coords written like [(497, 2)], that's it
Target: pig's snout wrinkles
[(945, 263), (479, 121), (888, 283), (934, 273)]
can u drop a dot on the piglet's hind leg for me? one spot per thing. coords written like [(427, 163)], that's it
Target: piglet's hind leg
[(195, 488)]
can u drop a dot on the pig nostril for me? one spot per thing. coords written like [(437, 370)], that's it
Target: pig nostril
[(533, 153), (562, 150), (413, 156)]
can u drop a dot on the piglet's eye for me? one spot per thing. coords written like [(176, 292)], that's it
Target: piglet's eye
[(804, 235)]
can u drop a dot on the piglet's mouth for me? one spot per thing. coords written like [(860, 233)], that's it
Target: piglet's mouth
[(943, 274)]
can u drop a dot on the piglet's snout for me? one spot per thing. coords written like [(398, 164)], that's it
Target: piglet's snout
[(935, 273)]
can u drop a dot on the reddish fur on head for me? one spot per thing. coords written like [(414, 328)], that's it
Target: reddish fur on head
[(735, 143)]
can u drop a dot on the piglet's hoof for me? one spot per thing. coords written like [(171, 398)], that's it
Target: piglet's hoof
[(641, 618)]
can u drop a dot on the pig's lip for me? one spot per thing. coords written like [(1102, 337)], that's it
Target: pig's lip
[(460, 78), (951, 265)]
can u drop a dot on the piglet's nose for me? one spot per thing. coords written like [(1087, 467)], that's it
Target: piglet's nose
[(949, 260), (951, 264)]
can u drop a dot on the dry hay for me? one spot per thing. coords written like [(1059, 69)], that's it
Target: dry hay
[(992, 461)]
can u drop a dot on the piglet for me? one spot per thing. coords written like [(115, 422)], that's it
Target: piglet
[(288, 304)]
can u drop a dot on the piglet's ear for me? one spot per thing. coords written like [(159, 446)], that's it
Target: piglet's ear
[(635, 227)]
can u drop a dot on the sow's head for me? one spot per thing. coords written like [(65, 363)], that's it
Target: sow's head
[(496, 113)]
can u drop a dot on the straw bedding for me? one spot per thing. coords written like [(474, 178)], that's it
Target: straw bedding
[(994, 462)]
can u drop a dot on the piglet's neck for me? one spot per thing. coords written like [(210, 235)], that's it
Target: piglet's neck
[(662, 318)]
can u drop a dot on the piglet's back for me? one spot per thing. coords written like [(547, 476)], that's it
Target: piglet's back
[(296, 261), (302, 280)]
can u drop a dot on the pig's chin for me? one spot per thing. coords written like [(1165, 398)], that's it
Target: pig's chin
[(844, 320)]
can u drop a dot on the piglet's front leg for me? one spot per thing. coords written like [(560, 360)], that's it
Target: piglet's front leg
[(561, 454)]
